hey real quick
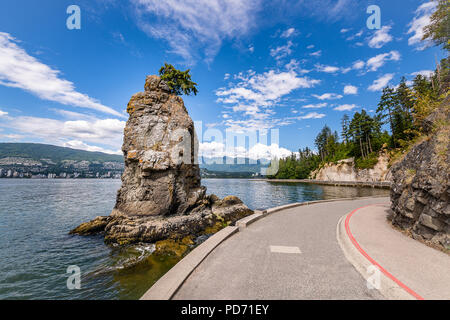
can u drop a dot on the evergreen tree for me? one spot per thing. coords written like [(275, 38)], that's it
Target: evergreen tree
[(385, 110), (178, 81), (345, 128), (439, 28)]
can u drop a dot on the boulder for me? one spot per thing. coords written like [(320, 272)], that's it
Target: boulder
[(161, 195)]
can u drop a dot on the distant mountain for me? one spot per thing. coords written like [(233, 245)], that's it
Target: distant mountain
[(233, 165), (37, 152), (25, 160), (34, 160)]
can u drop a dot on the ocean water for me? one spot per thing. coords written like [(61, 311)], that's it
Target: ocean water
[(36, 249)]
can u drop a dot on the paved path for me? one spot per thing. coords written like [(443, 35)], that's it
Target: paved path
[(292, 254), (422, 270)]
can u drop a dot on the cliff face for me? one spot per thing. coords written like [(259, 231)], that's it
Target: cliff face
[(161, 195), (345, 170), (420, 190)]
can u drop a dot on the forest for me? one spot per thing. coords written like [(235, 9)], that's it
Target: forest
[(402, 110)]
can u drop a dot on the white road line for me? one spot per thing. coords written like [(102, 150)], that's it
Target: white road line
[(283, 249)]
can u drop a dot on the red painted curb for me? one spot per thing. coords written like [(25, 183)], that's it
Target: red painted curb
[(357, 246)]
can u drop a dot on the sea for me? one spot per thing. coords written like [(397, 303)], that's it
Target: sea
[(40, 260)]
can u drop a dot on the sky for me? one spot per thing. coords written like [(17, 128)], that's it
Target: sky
[(282, 67)]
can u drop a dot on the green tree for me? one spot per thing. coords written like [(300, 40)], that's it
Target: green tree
[(386, 109), (404, 105), (321, 141), (439, 28), (178, 81), (345, 130)]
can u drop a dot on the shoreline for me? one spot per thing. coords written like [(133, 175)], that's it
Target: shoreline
[(381, 184)]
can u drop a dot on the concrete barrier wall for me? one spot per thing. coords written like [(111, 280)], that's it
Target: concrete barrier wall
[(375, 184)]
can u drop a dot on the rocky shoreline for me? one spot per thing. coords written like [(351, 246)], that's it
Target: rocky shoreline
[(161, 196)]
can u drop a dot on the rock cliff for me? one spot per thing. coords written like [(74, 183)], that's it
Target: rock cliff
[(161, 195), (420, 190), (345, 170)]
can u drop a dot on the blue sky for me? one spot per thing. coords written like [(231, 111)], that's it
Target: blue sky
[(288, 65)]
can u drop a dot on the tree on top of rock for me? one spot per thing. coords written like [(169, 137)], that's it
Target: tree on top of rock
[(178, 81)]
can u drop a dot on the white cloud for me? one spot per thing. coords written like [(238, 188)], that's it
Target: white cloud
[(356, 35), (313, 115), (265, 88), (316, 54), (193, 26), (315, 106), (357, 65), (289, 32), (328, 96), (294, 65), (106, 131), (346, 107), (258, 151), (345, 30), (326, 69), (381, 82), (282, 51), (425, 73), (350, 89), (374, 63), (255, 96), (311, 46), (3, 113), (80, 145), (20, 70), (12, 136), (420, 21), (380, 37)]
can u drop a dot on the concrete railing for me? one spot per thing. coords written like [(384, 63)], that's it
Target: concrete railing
[(370, 184)]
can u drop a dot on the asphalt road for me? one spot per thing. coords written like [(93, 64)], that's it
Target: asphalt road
[(292, 254)]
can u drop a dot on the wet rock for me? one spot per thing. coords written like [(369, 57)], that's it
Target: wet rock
[(95, 226)]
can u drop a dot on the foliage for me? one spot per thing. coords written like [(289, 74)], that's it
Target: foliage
[(298, 167), (369, 162), (439, 28), (178, 81)]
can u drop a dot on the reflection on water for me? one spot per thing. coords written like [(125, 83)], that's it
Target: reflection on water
[(35, 248)]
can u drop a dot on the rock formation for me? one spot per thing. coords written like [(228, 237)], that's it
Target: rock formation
[(420, 190), (345, 170), (161, 195)]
